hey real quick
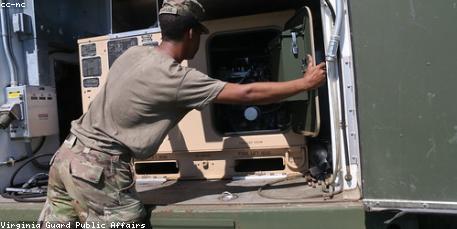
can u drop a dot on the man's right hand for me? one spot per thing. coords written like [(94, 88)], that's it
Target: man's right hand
[(315, 75)]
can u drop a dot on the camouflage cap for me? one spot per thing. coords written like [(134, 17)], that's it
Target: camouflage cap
[(185, 8)]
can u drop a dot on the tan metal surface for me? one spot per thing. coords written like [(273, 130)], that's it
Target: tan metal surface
[(218, 165)]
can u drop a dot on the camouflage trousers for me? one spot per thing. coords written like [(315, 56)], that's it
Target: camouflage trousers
[(89, 186)]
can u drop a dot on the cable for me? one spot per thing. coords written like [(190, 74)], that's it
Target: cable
[(332, 10), (348, 175), (289, 178), (333, 69), (36, 150), (36, 163), (27, 197), (43, 139), (340, 86), (25, 163)]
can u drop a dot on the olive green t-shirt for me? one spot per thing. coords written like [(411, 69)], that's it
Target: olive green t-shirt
[(145, 95)]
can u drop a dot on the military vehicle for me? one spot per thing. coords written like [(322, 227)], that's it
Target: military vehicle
[(370, 149)]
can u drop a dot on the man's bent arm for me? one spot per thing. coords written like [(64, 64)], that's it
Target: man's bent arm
[(259, 93)]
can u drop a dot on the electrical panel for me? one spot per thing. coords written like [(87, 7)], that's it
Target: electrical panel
[(38, 111), (99, 53), (221, 141)]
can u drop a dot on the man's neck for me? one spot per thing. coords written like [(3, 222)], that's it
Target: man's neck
[(172, 49)]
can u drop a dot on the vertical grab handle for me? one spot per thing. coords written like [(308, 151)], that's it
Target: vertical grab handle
[(314, 94)]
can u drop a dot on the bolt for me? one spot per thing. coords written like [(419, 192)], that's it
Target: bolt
[(205, 165)]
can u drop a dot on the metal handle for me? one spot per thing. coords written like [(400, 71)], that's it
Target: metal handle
[(294, 44)]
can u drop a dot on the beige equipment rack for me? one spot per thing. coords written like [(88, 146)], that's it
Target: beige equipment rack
[(194, 149)]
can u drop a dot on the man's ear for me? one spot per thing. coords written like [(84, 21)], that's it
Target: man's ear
[(190, 33)]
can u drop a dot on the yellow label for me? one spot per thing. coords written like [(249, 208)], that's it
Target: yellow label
[(14, 94)]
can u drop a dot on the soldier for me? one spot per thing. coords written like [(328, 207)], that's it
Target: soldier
[(147, 92)]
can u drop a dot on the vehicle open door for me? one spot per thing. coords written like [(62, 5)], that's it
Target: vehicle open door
[(292, 47)]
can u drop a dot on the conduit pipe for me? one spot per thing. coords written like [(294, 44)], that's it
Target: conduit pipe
[(332, 68), (6, 46)]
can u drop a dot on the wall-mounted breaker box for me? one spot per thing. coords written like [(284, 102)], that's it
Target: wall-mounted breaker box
[(38, 107)]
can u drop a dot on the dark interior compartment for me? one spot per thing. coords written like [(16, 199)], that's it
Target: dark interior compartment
[(133, 15), (160, 167), (67, 86), (245, 57), (259, 164)]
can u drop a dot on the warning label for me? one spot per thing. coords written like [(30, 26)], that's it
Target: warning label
[(14, 94)]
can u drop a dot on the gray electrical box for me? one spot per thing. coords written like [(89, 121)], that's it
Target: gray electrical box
[(38, 111)]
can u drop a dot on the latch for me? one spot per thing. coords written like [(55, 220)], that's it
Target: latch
[(304, 65), (294, 44), (22, 24)]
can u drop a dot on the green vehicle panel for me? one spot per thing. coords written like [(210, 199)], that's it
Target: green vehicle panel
[(405, 71)]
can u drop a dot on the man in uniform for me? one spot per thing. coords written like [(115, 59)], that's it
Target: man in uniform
[(147, 92)]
